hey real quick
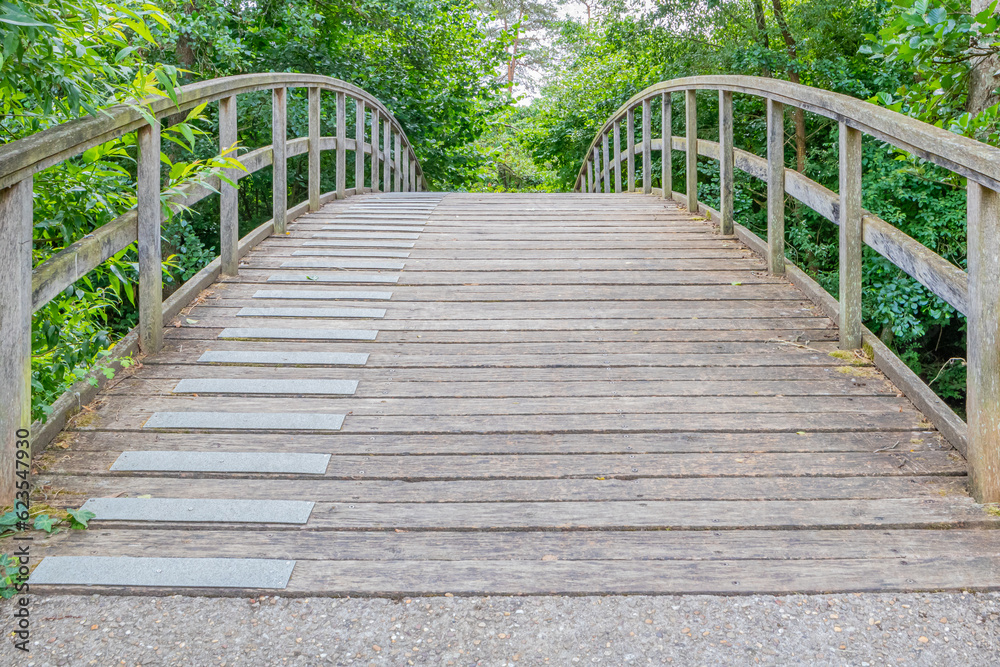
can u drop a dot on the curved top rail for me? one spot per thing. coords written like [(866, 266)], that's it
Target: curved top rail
[(25, 157), (975, 160)]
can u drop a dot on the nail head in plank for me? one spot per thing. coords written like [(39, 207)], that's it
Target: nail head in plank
[(311, 312), (235, 462), (166, 572), (246, 421), (267, 357), (320, 294), (246, 386), (185, 510)]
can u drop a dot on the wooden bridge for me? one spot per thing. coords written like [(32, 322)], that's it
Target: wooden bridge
[(400, 392)]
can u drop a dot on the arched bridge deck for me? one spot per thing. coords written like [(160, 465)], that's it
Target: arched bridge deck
[(569, 393)]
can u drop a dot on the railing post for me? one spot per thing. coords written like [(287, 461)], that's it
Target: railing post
[(850, 238), (606, 176), (279, 167), (359, 145), (15, 334), (590, 175), (983, 342), (396, 161), (618, 156), (229, 221), (667, 149), (776, 187), (630, 148), (374, 146), (314, 150), (406, 168), (148, 216), (341, 145), (691, 166), (726, 164), (386, 156), (647, 147), (413, 173)]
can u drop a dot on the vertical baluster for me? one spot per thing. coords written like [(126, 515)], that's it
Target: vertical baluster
[(15, 334), (618, 156), (375, 150), (414, 186), (359, 145), (589, 176), (386, 156), (341, 145), (406, 168), (691, 165), (776, 187), (630, 148), (314, 151), (647, 147), (726, 174), (279, 166), (397, 159), (983, 340), (229, 221), (148, 219), (606, 174), (666, 150), (850, 238)]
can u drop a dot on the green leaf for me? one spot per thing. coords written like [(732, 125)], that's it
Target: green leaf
[(80, 518), (44, 522)]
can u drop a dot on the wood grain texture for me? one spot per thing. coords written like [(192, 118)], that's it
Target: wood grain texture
[(691, 162), (229, 224), (850, 238), (557, 379), (148, 219), (775, 187)]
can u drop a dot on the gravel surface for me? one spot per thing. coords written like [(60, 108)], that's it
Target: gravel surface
[(852, 629)]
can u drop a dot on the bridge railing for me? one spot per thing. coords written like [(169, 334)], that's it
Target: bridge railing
[(24, 289), (975, 293)]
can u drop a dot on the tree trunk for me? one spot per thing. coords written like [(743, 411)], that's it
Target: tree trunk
[(982, 80), (793, 76), (765, 41)]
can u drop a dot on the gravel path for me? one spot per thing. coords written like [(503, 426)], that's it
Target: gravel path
[(914, 629)]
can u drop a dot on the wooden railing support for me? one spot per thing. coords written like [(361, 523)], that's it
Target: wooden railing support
[(851, 238), (726, 163), (396, 159), (149, 217), (359, 145), (375, 151), (983, 343), (647, 147), (666, 150), (279, 165), (630, 148), (406, 170), (229, 221), (341, 175), (15, 328), (414, 185), (387, 157), (691, 165), (590, 174), (775, 187), (606, 164), (618, 156), (314, 149)]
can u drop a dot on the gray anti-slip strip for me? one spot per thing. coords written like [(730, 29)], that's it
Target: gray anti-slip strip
[(312, 312), (342, 264), (366, 235), (246, 386), (214, 510), (358, 244), (351, 253), (163, 572), (235, 462), (336, 227), (246, 421), (275, 358), (346, 277), (321, 294), (297, 334)]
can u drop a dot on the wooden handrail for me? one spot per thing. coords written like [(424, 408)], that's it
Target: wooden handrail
[(24, 290), (974, 293)]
